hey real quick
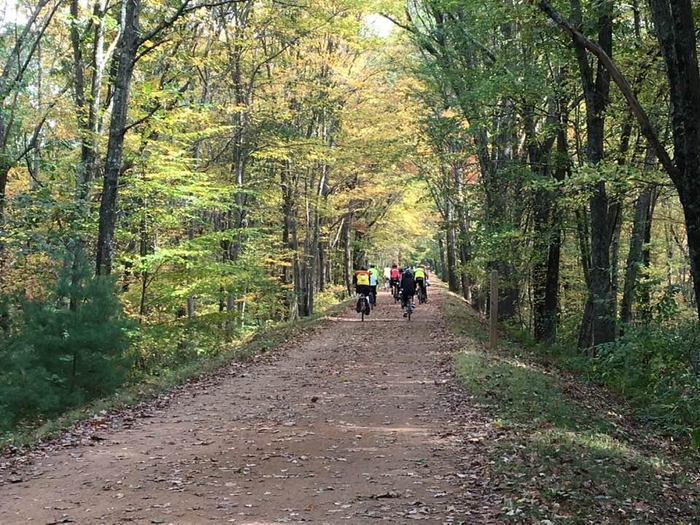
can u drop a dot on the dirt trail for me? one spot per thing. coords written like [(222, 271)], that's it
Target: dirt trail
[(351, 424)]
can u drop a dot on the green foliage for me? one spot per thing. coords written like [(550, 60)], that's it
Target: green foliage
[(658, 367), (71, 347)]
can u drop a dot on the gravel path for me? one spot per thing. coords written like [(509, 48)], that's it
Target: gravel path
[(351, 423)]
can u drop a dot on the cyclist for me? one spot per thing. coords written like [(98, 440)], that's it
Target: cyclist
[(361, 282), (394, 278), (408, 290), (421, 280), (387, 277), (373, 283)]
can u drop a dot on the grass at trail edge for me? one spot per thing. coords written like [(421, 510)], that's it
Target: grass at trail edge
[(154, 386), (560, 454)]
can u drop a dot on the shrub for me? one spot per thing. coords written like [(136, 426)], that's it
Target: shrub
[(659, 367), (71, 348)]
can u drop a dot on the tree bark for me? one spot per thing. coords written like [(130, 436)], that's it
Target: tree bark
[(359, 257), (644, 303), (634, 259), (452, 280), (546, 228), (347, 251), (615, 216), (463, 239), (596, 93), (115, 147), (91, 125), (551, 294), (675, 29), (585, 337), (441, 248)]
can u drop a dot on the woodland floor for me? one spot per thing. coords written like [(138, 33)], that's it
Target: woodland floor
[(349, 423)]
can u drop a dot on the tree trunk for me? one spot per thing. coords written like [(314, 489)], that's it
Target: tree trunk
[(596, 93), (322, 267), (190, 298), (464, 254), (542, 227), (91, 126), (550, 310), (4, 174), (347, 249), (634, 259), (675, 28), (465, 258), (645, 307), (585, 338), (115, 146), (550, 304), (230, 308), (441, 248), (359, 256), (615, 215), (509, 291), (241, 307), (452, 280), (298, 276)]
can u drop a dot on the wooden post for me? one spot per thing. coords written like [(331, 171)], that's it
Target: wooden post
[(493, 312)]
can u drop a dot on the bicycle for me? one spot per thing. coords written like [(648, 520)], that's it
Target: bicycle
[(396, 292), (364, 306), (422, 295), (409, 308)]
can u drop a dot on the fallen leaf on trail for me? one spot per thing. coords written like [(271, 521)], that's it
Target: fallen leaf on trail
[(384, 495)]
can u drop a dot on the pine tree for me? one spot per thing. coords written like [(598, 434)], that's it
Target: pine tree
[(72, 347)]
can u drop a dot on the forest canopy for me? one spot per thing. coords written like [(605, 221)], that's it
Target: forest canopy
[(176, 174)]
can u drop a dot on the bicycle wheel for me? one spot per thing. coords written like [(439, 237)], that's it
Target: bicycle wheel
[(410, 311)]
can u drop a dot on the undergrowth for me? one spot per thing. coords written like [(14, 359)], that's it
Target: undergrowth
[(560, 453), (655, 367)]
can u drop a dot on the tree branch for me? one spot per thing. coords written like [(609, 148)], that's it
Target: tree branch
[(619, 79), (184, 8), (19, 42), (37, 129)]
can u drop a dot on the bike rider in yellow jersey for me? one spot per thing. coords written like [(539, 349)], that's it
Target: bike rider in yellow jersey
[(361, 282), (421, 281)]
